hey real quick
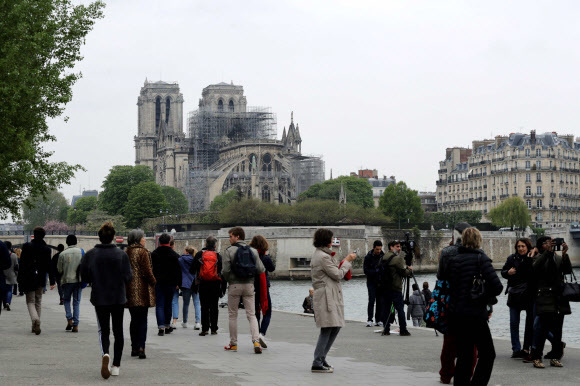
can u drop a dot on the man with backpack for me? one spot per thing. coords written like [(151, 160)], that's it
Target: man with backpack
[(241, 264), (370, 269), (392, 269), (207, 268)]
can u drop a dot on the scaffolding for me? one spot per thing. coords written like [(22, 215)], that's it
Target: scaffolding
[(307, 171), (209, 132)]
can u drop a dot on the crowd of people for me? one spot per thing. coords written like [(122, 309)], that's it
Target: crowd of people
[(138, 279)]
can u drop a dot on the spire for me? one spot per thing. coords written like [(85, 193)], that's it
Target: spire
[(331, 174), (298, 134), (292, 117), (284, 135)]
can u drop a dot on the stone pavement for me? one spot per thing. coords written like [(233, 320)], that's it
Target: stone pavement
[(359, 355)]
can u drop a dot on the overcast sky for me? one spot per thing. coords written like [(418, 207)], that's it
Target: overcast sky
[(385, 85)]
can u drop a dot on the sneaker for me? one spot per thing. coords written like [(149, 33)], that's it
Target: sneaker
[(521, 354), (380, 324), (203, 333), (161, 332), (134, 353), (142, 354), (197, 326), (214, 332), (325, 364), (257, 348), (36, 327), (173, 325), (369, 324), (168, 330), (556, 363), (114, 370), (229, 347), (262, 341), (69, 325), (75, 329), (7, 307), (405, 333), (184, 325), (528, 359), (321, 369), (538, 364), (105, 372)]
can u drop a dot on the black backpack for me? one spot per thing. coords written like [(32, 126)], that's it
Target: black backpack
[(384, 276), (244, 264)]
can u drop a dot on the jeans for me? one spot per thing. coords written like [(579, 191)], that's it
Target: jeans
[(104, 316), (74, 290), (209, 294), (59, 288), (395, 297), (325, 341), (267, 316), (8, 295), (543, 326), (515, 328), (34, 304), (473, 331), (372, 290), (235, 292), (163, 300), (175, 304), (188, 294), (138, 327)]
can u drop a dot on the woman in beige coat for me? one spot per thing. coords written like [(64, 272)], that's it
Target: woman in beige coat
[(328, 301)]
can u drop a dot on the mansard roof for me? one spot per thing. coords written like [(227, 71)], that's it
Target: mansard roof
[(519, 141)]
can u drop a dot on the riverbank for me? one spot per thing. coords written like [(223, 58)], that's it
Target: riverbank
[(359, 355)]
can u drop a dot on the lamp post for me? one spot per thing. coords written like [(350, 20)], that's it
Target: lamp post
[(75, 217)]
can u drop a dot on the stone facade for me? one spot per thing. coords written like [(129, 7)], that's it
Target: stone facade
[(541, 169)]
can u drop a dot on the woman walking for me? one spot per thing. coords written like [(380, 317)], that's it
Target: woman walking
[(189, 290), (262, 287), (140, 291), (328, 301), (518, 270), (10, 275), (108, 270), (469, 317)]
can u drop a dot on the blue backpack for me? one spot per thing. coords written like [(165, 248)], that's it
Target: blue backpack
[(244, 264), (436, 315)]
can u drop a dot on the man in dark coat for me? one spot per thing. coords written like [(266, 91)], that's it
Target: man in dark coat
[(167, 272), (370, 269), (5, 263), (34, 266)]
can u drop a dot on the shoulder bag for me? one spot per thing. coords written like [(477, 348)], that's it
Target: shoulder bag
[(571, 289)]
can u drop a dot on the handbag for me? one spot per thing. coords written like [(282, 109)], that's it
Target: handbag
[(478, 291), (571, 290), (518, 296)]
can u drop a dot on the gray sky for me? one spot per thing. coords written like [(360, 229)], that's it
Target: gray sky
[(378, 84)]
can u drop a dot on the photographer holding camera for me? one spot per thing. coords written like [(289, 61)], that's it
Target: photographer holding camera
[(549, 270), (392, 270)]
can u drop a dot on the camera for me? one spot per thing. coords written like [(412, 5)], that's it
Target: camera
[(558, 241), (408, 246)]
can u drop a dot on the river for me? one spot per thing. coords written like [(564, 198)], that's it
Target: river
[(289, 295)]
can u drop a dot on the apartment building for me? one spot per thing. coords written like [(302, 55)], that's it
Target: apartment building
[(543, 169)]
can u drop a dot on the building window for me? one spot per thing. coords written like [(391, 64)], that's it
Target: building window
[(528, 164), (167, 109), (157, 112), (231, 105), (539, 189), (529, 204), (540, 217), (515, 190), (528, 177), (539, 177), (528, 190), (539, 204), (538, 165), (266, 194), (538, 152), (220, 105), (527, 152)]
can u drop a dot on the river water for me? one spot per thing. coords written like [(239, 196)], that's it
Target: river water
[(289, 295)]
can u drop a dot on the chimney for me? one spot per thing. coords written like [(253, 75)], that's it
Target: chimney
[(533, 137)]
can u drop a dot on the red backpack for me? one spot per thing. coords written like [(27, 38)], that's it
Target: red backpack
[(208, 270)]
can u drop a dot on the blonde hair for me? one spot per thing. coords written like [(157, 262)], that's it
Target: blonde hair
[(190, 250), (471, 238)]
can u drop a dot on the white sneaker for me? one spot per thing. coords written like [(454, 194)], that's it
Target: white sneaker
[(380, 324), (184, 325), (370, 323), (262, 341), (197, 326), (114, 370), (173, 325)]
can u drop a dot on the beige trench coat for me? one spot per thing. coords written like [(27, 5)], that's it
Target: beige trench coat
[(326, 276)]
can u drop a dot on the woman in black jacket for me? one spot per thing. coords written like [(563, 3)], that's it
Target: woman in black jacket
[(518, 271), (469, 317)]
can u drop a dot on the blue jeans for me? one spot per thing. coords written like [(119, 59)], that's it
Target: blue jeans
[(175, 305), (188, 294), (396, 298), (163, 299), (267, 316), (515, 328), (8, 297), (74, 290)]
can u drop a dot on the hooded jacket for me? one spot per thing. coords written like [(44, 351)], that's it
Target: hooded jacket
[(34, 265), (370, 266), (417, 305), (187, 278), (166, 266), (397, 268)]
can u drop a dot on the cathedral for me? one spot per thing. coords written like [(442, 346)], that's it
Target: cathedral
[(228, 145)]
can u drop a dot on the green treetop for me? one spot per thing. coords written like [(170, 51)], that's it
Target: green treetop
[(358, 191), (401, 203), (118, 184), (511, 212)]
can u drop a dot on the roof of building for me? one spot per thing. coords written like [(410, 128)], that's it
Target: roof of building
[(519, 140)]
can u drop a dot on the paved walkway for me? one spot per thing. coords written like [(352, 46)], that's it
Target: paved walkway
[(359, 356)]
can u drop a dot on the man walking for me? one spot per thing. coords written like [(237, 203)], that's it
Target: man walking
[(68, 267), (241, 264), (393, 294), (33, 268), (370, 269), (167, 272)]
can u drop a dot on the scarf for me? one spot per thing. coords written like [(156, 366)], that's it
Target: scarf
[(348, 275), (263, 288)]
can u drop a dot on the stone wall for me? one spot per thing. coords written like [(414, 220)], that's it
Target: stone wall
[(291, 247)]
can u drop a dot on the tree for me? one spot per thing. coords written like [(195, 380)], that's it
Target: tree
[(53, 225), (511, 212), (145, 200), (224, 199), (40, 43), (117, 185), (176, 200), (83, 206), (401, 203), (443, 219), (96, 218), (37, 211), (358, 191)]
